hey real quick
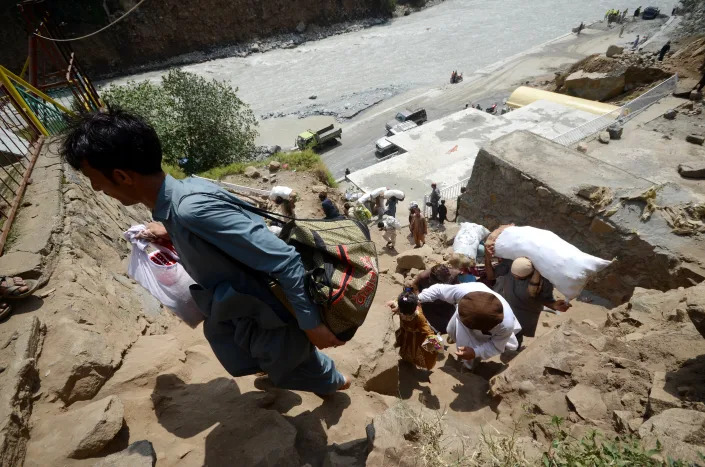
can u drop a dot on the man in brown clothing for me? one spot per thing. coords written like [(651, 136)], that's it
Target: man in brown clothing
[(419, 227)]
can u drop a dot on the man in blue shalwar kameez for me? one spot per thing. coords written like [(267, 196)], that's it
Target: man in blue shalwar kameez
[(227, 250)]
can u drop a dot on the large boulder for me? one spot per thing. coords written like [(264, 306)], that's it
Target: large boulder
[(80, 361), (389, 433), (587, 402), (681, 433), (613, 50), (661, 396), (137, 454), (80, 433), (18, 381), (681, 424), (415, 258), (594, 86), (252, 172), (149, 357)]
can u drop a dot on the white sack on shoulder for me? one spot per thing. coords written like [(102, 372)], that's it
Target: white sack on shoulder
[(468, 239), (398, 194), (364, 198), (564, 265), (280, 191), (378, 191)]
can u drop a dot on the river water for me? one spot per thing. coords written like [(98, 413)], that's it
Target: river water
[(415, 51)]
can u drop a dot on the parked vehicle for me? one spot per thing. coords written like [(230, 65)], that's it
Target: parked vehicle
[(312, 140), (401, 128), (417, 116), (384, 147), (650, 12)]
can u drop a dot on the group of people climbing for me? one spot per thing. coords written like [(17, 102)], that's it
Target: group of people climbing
[(484, 315)]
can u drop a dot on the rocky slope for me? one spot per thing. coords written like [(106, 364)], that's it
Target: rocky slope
[(127, 384)]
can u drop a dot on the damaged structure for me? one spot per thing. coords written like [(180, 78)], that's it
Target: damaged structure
[(604, 209)]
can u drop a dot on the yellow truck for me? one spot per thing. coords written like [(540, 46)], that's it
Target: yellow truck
[(314, 139)]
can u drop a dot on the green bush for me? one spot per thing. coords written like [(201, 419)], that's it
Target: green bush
[(388, 6), (201, 124), (595, 449)]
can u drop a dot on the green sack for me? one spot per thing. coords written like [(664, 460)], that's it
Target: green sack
[(342, 269)]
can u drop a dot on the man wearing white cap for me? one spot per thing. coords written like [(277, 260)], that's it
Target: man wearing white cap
[(483, 324)]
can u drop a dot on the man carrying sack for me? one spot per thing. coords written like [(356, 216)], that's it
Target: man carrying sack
[(226, 249)]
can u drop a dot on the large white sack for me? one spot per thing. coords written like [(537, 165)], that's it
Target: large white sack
[(468, 239), (564, 265), (364, 198), (378, 191), (280, 191), (398, 194)]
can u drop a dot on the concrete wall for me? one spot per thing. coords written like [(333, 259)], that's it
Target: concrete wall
[(528, 180), (158, 30)]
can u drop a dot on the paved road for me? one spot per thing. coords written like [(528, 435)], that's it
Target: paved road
[(485, 86)]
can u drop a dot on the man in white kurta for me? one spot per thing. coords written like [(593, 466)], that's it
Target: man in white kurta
[(483, 324)]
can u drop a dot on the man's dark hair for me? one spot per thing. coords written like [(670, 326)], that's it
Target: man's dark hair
[(380, 225), (322, 196), (113, 139), (407, 301), (440, 274)]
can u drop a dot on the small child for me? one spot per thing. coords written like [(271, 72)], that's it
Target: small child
[(417, 342), (442, 212)]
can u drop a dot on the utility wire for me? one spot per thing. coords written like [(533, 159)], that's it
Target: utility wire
[(95, 32)]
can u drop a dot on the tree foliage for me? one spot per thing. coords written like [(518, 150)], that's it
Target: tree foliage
[(202, 124)]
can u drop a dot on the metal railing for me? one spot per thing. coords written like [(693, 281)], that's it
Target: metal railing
[(622, 114), (20, 144), (449, 193)]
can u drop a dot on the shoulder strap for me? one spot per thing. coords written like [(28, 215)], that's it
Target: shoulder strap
[(272, 216)]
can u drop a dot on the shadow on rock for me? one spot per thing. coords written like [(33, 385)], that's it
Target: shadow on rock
[(250, 429), (25, 305), (471, 390), (312, 439), (410, 379), (686, 382)]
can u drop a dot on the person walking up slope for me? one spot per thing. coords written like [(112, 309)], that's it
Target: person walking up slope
[(226, 249)]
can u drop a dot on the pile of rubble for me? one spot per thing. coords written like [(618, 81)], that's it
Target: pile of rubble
[(605, 77)]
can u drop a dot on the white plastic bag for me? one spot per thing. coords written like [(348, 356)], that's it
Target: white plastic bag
[(280, 191), (398, 194), (564, 265), (468, 239), (156, 268), (391, 223)]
